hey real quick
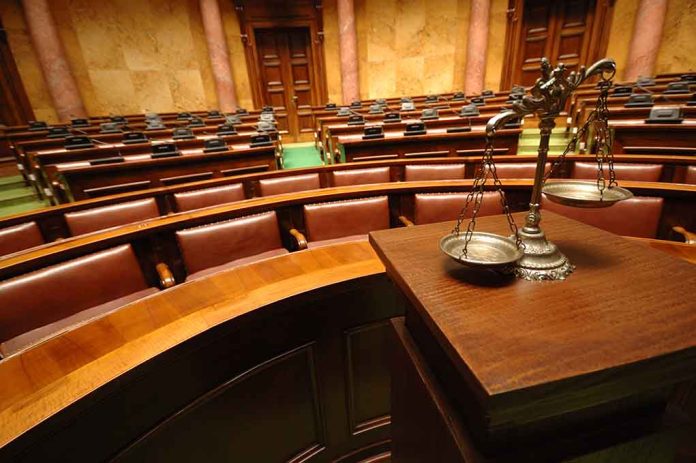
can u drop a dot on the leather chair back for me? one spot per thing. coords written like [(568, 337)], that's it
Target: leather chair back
[(19, 237), (40, 303), (229, 243), (416, 173), (690, 176), (340, 219), (99, 218), (280, 185), (360, 176), (197, 199), (638, 216), (623, 171), (443, 207), (518, 169)]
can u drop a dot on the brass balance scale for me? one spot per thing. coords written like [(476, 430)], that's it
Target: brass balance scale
[(527, 252)]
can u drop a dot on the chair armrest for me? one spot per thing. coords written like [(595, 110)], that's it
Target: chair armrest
[(165, 275), (689, 237), (299, 238), (405, 221)]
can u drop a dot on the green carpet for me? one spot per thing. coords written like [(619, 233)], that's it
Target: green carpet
[(301, 155), (15, 197)]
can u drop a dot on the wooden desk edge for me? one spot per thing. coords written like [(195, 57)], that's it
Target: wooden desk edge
[(25, 411)]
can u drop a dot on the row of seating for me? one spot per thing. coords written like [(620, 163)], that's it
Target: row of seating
[(95, 284), (28, 234)]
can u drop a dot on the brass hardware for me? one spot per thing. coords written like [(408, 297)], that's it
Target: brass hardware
[(299, 238), (165, 275)]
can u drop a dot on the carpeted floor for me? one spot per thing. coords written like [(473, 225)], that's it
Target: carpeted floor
[(300, 155)]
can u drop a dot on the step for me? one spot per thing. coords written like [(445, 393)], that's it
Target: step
[(20, 208), (17, 195), (11, 182)]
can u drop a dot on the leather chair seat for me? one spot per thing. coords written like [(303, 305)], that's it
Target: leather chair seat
[(443, 207), (99, 218), (638, 216), (219, 246), (20, 237), (360, 176), (36, 305), (206, 197), (415, 173), (281, 185), (339, 221), (622, 170)]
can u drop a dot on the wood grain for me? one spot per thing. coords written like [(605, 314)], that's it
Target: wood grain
[(621, 325), (40, 382)]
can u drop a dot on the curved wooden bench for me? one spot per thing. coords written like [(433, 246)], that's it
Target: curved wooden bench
[(54, 394)]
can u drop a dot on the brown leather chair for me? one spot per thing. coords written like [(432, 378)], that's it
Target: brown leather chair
[(211, 248), (443, 207), (518, 169), (45, 302), (638, 216), (329, 223), (414, 173), (197, 199), (99, 218), (623, 171), (280, 185), (360, 176), (690, 176), (20, 237)]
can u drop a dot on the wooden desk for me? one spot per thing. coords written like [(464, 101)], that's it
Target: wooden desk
[(82, 181), (436, 143), (512, 370), (637, 137), (281, 359)]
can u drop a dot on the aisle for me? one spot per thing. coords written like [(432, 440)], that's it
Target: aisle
[(300, 155)]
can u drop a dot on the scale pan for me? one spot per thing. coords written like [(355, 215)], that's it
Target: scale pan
[(584, 194), (485, 250)]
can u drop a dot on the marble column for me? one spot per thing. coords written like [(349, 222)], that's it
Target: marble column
[(219, 55), (477, 46), (348, 46), (54, 64), (645, 43)]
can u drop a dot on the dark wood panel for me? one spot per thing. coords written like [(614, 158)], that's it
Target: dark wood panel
[(15, 108), (573, 32)]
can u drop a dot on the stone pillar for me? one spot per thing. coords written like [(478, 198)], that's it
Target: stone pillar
[(219, 55), (348, 45), (647, 35), (477, 47), (54, 65)]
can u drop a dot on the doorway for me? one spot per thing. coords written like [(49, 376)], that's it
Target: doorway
[(286, 70), (574, 32)]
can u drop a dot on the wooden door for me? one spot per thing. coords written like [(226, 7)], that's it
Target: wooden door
[(572, 32), (286, 70)]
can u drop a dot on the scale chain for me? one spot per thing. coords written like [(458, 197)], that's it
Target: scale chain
[(476, 194)]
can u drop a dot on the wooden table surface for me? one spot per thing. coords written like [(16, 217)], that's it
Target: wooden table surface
[(622, 323)]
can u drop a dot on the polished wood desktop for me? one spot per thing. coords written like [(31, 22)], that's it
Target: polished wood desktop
[(512, 370)]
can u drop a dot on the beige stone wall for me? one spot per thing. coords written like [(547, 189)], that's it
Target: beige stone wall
[(130, 56)]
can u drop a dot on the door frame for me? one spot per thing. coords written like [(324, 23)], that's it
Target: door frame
[(597, 43), (303, 15)]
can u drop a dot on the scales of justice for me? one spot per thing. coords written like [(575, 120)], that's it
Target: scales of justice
[(527, 252)]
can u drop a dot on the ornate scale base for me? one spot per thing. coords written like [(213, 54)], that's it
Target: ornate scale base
[(542, 260)]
